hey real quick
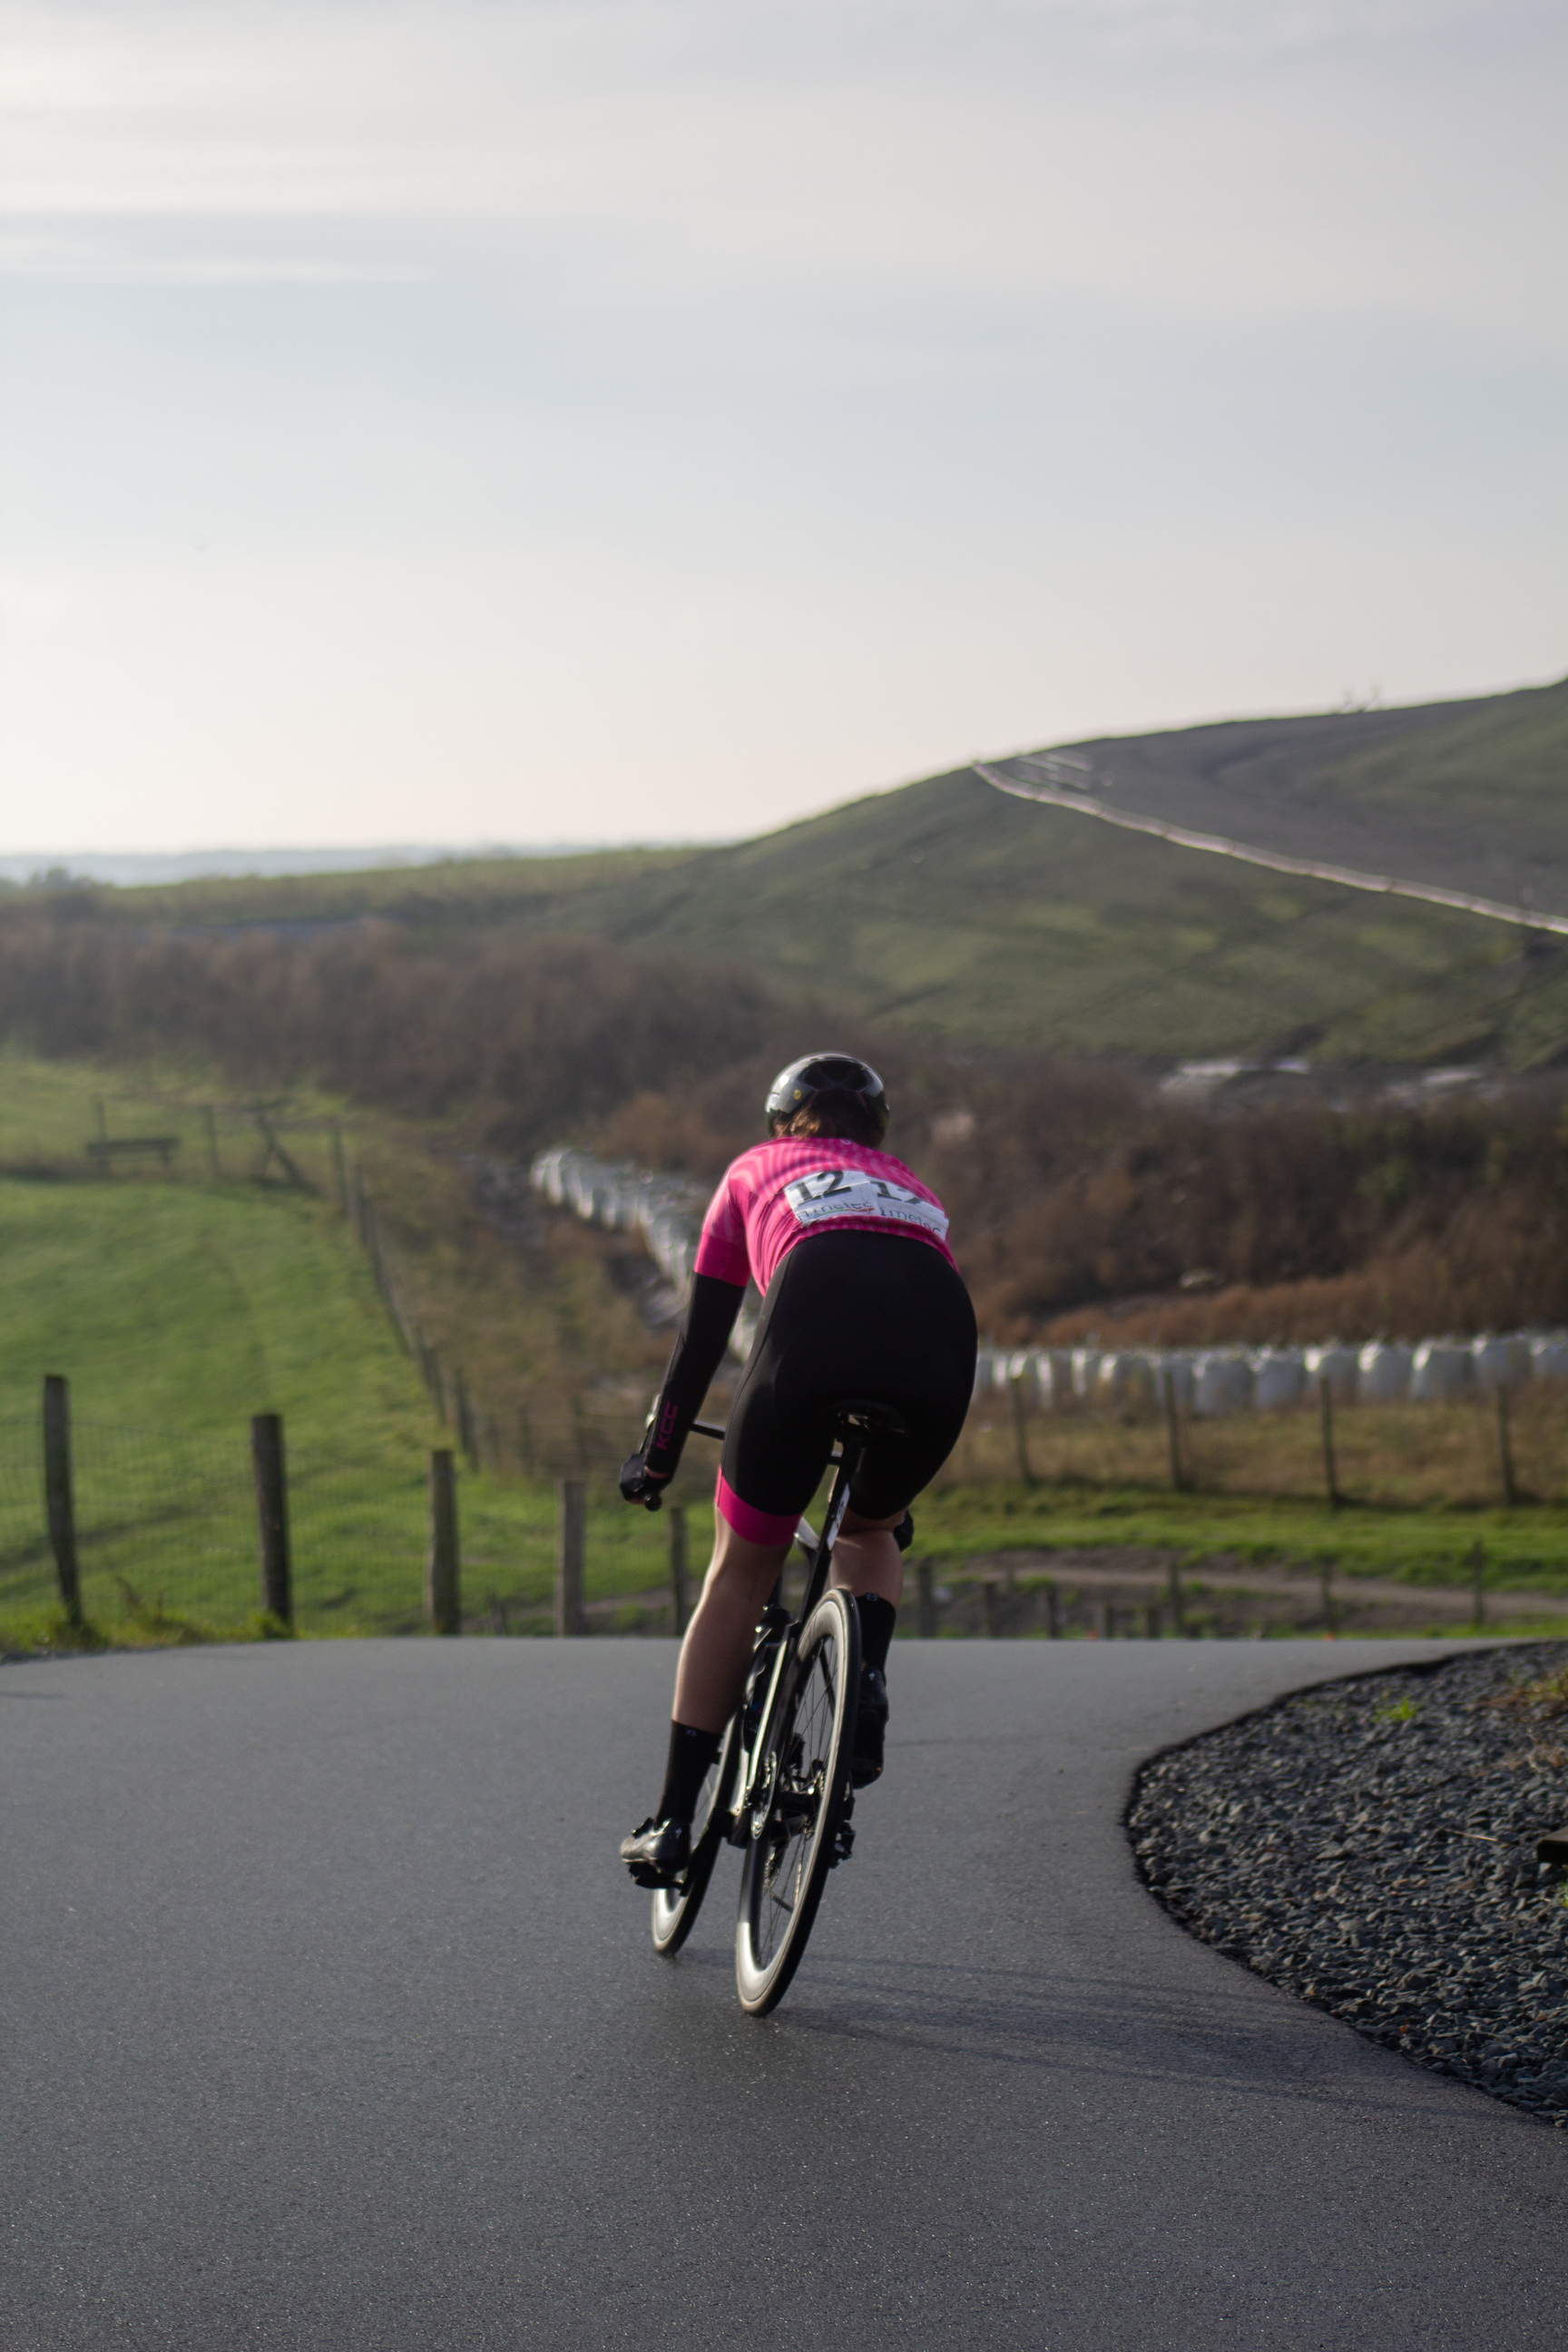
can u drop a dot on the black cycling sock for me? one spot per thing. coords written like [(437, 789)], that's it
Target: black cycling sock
[(877, 1619), (690, 1754)]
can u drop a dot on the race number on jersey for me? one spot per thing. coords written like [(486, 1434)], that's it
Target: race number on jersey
[(853, 1192)]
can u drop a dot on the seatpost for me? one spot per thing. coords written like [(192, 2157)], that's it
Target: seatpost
[(852, 1447)]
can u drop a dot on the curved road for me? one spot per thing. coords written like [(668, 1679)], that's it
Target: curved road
[(330, 2021)]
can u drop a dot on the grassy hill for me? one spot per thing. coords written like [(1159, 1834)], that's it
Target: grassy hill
[(988, 921), (1499, 769), (1469, 796)]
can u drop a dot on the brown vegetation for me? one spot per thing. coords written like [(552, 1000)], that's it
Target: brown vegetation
[(527, 1037), (1078, 1201)]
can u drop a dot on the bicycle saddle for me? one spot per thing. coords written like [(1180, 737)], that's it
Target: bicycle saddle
[(865, 1413)]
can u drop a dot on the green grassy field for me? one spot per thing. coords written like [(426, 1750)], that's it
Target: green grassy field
[(1526, 1550), (177, 1310)]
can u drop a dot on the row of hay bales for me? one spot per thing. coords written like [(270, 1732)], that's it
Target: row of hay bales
[(1213, 1380), (667, 1212)]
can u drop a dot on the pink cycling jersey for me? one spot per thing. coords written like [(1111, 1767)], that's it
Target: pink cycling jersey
[(777, 1193)]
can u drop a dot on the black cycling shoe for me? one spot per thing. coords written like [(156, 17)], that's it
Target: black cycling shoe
[(870, 1728), (657, 1853)]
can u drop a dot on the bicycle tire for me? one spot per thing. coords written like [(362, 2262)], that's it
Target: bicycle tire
[(675, 1909), (794, 1833)]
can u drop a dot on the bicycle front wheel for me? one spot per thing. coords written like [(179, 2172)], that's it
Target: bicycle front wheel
[(803, 1797), (675, 1908)]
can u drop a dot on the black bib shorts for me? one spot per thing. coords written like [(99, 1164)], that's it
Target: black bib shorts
[(876, 1315)]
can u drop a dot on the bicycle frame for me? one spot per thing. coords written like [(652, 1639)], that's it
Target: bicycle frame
[(845, 1461)]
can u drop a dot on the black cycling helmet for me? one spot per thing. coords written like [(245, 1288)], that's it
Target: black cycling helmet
[(819, 1074)]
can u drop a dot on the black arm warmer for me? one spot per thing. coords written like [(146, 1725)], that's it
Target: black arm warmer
[(699, 1351)]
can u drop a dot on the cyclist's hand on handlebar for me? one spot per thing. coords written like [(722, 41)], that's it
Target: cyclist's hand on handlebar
[(638, 1484)]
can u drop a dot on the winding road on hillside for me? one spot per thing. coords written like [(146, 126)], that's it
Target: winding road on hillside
[(331, 2021), (1046, 780), (1270, 792)]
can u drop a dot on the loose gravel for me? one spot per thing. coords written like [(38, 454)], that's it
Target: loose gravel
[(1370, 1845)]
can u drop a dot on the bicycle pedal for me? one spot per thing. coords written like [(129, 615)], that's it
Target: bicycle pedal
[(843, 1845)]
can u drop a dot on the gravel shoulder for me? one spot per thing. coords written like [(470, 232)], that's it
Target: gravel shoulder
[(1371, 1846)]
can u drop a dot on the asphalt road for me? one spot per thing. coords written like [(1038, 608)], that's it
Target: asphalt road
[(329, 2021)]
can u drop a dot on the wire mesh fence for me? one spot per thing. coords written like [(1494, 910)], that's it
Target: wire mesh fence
[(1470, 1455), (167, 1536), (166, 1525)]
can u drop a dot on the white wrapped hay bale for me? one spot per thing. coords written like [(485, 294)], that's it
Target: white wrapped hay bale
[(1222, 1382), (1177, 1364), (1054, 1376), (544, 1175), (1501, 1360), (1123, 1382), (984, 1370), (1279, 1378), (1549, 1356), (1339, 1366), (1441, 1372), (1085, 1371), (577, 1183), (1382, 1373)]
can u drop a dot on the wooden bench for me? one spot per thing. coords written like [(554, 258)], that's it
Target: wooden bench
[(131, 1147)]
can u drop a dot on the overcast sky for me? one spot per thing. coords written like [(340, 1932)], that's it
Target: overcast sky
[(614, 419)]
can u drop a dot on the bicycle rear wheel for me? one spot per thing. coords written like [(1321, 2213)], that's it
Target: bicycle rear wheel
[(675, 1909), (801, 1805)]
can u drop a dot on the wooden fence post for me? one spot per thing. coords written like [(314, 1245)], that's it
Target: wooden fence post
[(1326, 1426), (1053, 1610), (1178, 1616), (441, 1597), (1505, 1450), (1173, 1428), (988, 1604), (925, 1576), (1108, 1621), (676, 1514), (571, 1529), (59, 1498), (1479, 1585), (1153, 1621), (1326, 1586), (272, 1515)]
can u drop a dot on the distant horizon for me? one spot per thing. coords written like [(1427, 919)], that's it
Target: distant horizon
[(134, 868), (131, 869)]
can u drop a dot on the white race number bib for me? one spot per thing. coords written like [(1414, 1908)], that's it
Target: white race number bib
[(853, 1192)]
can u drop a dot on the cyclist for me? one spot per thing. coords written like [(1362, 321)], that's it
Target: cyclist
[(861, 1297)]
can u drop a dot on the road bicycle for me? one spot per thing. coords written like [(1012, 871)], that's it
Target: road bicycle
[(781, 1789)]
